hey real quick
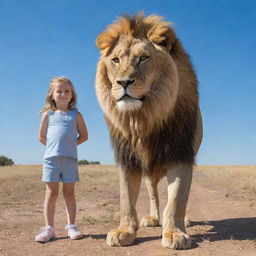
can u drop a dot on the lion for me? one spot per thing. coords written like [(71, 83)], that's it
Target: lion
[(147, 89)]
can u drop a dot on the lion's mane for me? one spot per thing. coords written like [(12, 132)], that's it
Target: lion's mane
[(162, 132)]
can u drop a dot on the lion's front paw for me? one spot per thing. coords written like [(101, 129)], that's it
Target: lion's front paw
[(176, 239), (120, 237), (149, 221)]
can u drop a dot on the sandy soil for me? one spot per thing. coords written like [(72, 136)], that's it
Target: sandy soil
[(223, 220)]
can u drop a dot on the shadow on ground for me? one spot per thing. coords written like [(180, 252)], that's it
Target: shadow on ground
[(227, 229)]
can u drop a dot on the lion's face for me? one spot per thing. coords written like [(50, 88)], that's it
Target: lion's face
[(131, 73)]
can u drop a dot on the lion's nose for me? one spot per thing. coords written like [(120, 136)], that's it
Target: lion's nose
[(125, 82)]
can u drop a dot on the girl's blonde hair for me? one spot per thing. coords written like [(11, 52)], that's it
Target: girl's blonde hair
[(50, 103)]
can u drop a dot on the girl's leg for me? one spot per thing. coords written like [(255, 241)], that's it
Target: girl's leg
[(52, 189), (69, 196)]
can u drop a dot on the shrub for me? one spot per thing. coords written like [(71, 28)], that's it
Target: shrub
[(95, 162), (85, 162), (4, 161)]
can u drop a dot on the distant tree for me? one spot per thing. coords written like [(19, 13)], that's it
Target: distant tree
[(4, 161), (83, 162), (95, 162)]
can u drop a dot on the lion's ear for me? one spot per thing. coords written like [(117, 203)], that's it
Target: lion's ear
[(162, 35)]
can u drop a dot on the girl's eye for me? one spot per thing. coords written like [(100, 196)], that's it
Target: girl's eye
[(144, 58), (115, 60)]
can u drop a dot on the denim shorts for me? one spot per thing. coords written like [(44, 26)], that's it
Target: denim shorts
[(60, 168)]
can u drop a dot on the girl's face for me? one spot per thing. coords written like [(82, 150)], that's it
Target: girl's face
[(62, 94)]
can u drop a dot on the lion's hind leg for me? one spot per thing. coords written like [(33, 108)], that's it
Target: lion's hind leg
[(174, 233), (153, 219)]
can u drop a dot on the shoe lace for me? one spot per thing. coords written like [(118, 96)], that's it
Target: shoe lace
[(73, 228)]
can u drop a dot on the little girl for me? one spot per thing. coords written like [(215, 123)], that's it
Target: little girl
[(62, 128)]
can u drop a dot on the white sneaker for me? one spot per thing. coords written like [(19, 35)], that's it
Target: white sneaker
[(73, 231), (46, 235)]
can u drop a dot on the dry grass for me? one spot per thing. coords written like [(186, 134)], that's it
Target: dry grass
[(239, 179), (20, 184)]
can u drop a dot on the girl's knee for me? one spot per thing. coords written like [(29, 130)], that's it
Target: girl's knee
[(68, 194), (68, 190), (52, 189), (52, 195)]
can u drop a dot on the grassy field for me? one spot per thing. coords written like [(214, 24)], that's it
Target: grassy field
[(240, 180), (225, 195), (21, 183)]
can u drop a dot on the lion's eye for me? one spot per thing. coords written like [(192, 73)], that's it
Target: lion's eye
[(143, 58), (115, 60)]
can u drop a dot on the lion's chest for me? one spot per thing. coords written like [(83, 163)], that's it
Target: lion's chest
[(162, 147)]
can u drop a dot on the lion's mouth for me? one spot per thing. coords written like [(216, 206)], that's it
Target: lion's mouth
[(128, 97)]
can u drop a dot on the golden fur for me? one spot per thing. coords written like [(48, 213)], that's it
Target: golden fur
[(147, 89)]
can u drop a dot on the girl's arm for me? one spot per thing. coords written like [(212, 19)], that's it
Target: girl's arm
[(81, 128), (43, 128)]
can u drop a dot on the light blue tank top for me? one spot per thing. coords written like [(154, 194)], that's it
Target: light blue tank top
[(61, 136)]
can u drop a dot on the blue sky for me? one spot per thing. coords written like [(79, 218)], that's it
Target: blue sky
[(43, 39)]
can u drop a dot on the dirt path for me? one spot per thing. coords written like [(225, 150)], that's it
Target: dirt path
[(221, 224)]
